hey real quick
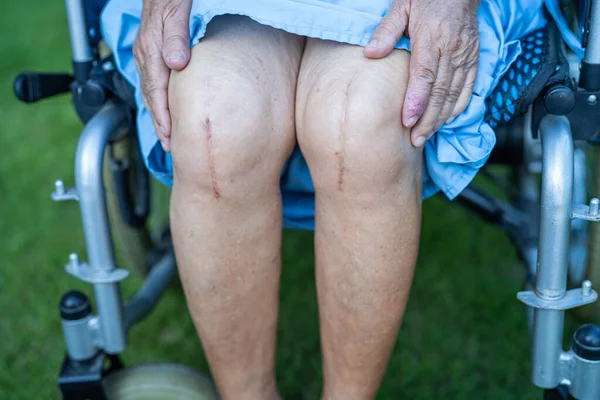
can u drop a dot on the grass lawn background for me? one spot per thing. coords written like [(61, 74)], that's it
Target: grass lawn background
[(464, 334)]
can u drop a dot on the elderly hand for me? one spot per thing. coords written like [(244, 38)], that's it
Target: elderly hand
[(444, 53), (162, 43)]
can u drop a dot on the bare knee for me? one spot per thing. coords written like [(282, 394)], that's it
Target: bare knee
[(228, 143), (354, 142)]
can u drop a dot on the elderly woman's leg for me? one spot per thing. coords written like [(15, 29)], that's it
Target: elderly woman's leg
[(368, 207), (233, 128)]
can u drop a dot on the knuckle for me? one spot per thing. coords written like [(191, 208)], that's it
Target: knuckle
[(172, 11), (387, 28), (151, 90), (453, 95), (174, 39), (438, 95), (457, 45), (425, 74)]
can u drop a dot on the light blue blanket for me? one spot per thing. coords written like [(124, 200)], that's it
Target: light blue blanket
[(452, 157)]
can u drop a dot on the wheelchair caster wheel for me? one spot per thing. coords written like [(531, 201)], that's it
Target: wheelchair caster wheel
[(159, 382)]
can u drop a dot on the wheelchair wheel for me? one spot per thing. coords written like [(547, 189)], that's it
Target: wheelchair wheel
[(159, 382), (134, 242)]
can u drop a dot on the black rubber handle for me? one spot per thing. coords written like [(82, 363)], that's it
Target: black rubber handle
[(30, 87)]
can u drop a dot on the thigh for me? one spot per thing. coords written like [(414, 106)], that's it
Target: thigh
[(348, 116), (234, 102)]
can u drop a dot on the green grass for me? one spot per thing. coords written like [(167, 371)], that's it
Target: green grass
[(464, 335)]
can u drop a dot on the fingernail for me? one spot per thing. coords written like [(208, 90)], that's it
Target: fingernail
[(175, 56), (373, 44), (410, 121), (420, 141), (162, 129), (164, 147)]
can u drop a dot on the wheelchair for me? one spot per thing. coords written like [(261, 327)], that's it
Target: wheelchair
[(547, 131)]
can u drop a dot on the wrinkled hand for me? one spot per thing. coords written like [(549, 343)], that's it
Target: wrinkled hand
[(444, 53), (162, 43)]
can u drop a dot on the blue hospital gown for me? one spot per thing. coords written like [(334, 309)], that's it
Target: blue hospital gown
[(452, 156)]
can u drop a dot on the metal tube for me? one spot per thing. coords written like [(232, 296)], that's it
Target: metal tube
[(556, 203), (592, 51), (546, 347), (555, 222), (79, 339), (586, 379), (94, 215), (111, 316), (80, 47), (155, 284), (90, 184)]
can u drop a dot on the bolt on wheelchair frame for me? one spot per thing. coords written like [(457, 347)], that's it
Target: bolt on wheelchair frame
[(540, 224)]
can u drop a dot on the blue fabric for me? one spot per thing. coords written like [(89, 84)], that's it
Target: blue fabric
[(452, 157)]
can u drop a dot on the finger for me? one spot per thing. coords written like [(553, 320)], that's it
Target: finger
[(456, 86), (176, 36), (154, 86), (164, 140), (424, 62), (440, 90), (388, 32), (465, 95)]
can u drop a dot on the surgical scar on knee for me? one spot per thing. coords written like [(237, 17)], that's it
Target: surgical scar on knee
[(340, 154), (340, 161), (211, 158)]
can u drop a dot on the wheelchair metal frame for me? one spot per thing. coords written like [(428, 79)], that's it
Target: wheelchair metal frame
[(90, 339)]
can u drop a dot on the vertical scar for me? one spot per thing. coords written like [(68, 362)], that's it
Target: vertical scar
[(340, 154), (340, 161), (211, 158)]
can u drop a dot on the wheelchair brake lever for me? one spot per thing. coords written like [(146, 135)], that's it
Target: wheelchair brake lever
[(31, 87)]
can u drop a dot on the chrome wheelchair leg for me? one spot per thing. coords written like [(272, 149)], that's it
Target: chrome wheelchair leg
[(555, 220), (101, 269), (86, 334), (551, 366)]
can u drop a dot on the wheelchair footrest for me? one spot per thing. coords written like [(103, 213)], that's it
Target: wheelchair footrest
[(588, 213), (88, 274), (572, 298)]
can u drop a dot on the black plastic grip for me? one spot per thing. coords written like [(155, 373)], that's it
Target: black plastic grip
[(30, 87)]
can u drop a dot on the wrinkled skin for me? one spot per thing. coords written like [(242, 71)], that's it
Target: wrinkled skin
[(443, 67), (162, 44), (444, 54)]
